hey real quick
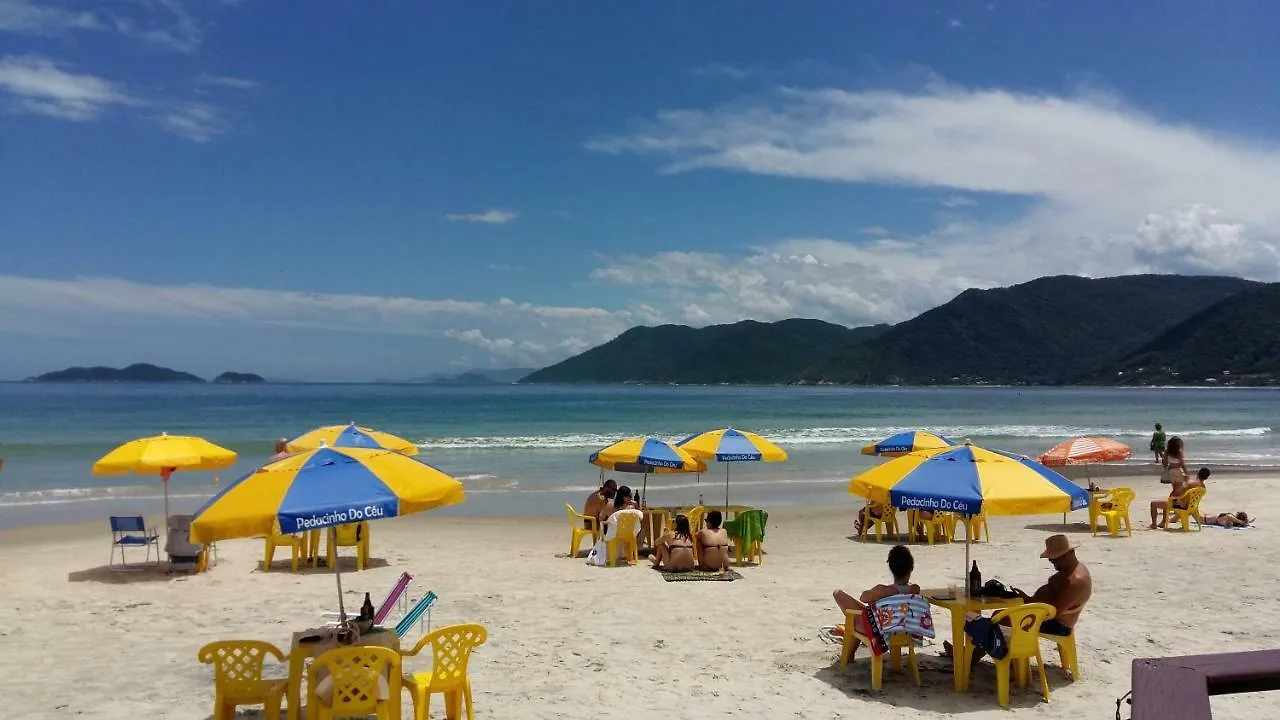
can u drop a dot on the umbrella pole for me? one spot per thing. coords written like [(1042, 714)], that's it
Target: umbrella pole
[(726, 485), (164, 478), (965, 575), (337, 574), (644, 489)]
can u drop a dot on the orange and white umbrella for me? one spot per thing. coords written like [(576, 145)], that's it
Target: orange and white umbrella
[(1085, 450)]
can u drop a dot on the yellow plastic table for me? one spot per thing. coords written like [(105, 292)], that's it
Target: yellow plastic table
[(958, 605), (300, 653)]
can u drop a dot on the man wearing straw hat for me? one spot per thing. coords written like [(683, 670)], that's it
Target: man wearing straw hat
[(1068, 590)]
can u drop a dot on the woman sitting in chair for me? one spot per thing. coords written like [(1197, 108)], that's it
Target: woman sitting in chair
[(713, 544), (621, 501), (868, 513), (901, 564), (674, 550)]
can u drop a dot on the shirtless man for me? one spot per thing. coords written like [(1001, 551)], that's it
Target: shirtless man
[(713, 543), (1068, 590), (596, 501), (1178, 489)]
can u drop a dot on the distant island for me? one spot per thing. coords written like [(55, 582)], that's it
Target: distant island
[(137, 373), (1060, 330), (239, 378)]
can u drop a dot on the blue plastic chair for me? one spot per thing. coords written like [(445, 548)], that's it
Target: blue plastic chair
[(122, 536), (420, 608)]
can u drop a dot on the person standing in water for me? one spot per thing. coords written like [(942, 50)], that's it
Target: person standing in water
[(1157, 444)]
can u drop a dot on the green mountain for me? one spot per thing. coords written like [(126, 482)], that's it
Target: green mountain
[(744, 352), (1049, 330), (137, 372), (1236, 341)]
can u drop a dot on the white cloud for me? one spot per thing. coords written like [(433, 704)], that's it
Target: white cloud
[(38, 85), (720, 69), (226, 81), (490, 217), (955, 23), (197, 122), (501, 267), (508, 330), (167, 23), (1108, 190), (957, 201), (875, 230), (24, 16)]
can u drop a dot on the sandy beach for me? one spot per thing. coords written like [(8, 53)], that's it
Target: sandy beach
[(568, 640)]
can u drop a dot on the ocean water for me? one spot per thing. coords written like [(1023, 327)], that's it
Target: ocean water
[(523, 449)]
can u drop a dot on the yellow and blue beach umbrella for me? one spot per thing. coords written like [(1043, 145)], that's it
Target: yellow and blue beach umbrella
[(728, 445), (323, 488), (646, 455), (352, 436), (906, 442), (968, 480)]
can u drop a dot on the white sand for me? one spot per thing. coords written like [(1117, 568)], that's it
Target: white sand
[(572, 641)]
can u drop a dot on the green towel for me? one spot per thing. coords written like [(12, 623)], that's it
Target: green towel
[(747, 527)]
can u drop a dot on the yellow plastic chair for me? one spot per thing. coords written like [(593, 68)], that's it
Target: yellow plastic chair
[(625, 534), (942, 524), (1024, 646), (450, 652), (1118, 513), (1066, 652), (360, 681), (592, 529), (297, 545), (897, 643), (1190, 509), (887, 523), (975, 528), (237, 673), (354, 535)]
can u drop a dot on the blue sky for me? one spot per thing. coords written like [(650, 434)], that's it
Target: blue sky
[(348, 190)]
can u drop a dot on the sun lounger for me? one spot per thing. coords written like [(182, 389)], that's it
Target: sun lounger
[(415, 615), (131, 531), (397, 596)]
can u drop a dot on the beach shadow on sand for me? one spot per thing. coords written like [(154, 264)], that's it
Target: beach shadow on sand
[(135, 574), (1075, 528), (345, 564), (937, 691)]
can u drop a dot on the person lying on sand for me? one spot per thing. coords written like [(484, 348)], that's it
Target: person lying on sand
[(1179, 489), (713, 544), (674, 550), (901, 565), (1227, 520)]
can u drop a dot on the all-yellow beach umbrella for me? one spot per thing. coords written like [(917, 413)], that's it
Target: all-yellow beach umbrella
[(163, 455), (729, 445), (353, 436)]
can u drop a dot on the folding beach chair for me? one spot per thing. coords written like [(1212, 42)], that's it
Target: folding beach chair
[(123, 535), (399, 596), (415, 615)]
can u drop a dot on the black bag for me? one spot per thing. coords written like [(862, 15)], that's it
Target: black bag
[(996, 589)]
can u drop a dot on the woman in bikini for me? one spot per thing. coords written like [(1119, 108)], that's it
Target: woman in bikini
[(1175, 465), (674, 551), (1227, 520), (901, 565), (713, 544)]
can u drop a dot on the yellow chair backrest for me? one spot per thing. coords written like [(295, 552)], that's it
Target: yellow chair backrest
[(576, 518), (451, 648), (237, 664), (695, 518), (1025, 621), (1190, 500), (349, 534), (355, 674), (626, 527), (1120, 499)]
